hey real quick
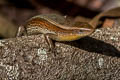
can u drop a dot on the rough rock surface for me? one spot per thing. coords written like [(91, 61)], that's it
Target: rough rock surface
[(96, 57)]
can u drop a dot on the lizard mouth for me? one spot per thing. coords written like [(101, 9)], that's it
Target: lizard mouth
[(86, 29)]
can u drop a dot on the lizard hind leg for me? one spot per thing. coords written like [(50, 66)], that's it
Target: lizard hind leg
[(21, 31)]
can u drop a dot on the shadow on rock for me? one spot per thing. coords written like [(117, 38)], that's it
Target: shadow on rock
[(93, 45)]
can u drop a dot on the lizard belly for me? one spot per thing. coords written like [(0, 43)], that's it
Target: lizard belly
[(67, 37)]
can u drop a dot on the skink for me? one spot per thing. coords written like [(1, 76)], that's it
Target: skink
[(53, 30)]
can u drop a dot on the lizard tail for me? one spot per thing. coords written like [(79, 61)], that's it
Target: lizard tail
[(115, 12)]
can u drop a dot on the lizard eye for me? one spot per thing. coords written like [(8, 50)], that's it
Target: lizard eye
[(81, 30)]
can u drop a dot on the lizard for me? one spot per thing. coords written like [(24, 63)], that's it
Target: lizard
[(58, 32), (52, 30)]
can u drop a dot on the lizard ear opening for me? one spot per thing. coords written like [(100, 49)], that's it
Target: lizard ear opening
[(82, 25)]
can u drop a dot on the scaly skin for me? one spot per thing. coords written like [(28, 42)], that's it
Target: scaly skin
[(55, 31)]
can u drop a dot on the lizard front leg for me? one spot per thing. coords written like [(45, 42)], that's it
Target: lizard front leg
[(49, 41)]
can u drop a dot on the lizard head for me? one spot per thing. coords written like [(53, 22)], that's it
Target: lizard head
[(77, 31), (84, 29)]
